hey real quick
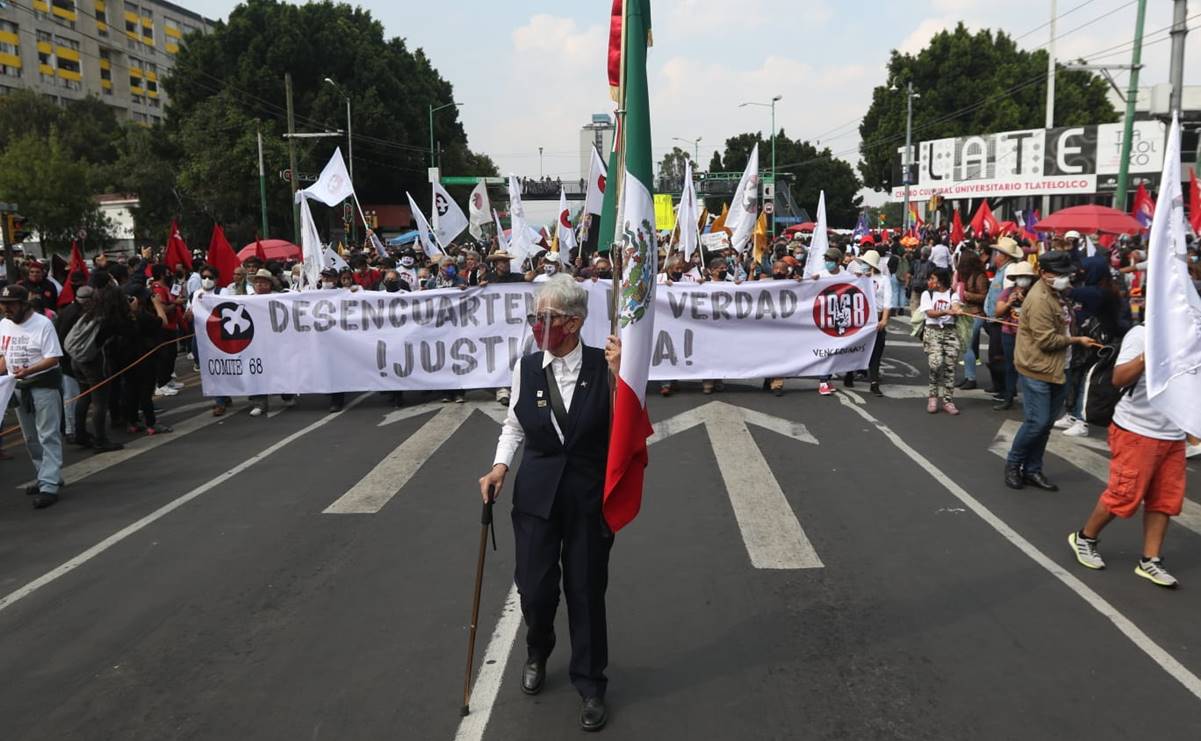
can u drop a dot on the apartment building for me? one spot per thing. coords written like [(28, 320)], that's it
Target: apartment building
[(116, 50)]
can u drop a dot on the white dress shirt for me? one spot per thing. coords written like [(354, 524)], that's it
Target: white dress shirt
[(567, 374)]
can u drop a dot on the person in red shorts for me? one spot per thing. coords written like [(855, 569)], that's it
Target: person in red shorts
[(1147, 469)]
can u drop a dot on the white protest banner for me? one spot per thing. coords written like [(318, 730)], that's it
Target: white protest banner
[(8, 384), (715, 241), (338, 340)]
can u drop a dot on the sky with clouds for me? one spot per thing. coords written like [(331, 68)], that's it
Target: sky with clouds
[(530, 73)]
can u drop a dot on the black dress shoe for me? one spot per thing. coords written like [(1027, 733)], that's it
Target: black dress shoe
[(1002, 405), (1040, 481), (533, 674), (42, 500), (593, 714), (968, 385), (875, 389), (1013, 477)]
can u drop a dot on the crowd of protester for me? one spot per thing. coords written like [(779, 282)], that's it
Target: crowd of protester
[(1047, 306)]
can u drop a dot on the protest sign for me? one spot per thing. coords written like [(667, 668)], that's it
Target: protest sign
[(339, 340)]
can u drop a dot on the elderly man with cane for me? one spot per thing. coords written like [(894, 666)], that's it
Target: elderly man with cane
[(560, 409)]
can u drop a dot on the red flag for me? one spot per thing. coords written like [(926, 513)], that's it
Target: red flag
[(1143, 208), (258, 250), (222, 257), (76, 265), (957, 235), (615, 49), (1194, 201), (177, 251), (984, 222)]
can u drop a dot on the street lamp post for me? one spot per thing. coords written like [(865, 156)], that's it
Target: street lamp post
[(772, 106), (696, 147), (434, 110), (354, 225), (539, 163)]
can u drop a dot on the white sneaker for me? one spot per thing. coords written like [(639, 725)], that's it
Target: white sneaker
[(256, 412), (165, 391), (1086, 551), (1192, 451), (1079, 428), (175, 385), (1155, 572), (1064, 422)]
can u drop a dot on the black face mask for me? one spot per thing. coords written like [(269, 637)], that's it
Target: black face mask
[(779, 276), (675, 276), (606, 274), (721, 275), (391, 286)]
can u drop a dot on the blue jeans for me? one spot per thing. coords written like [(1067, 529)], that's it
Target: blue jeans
[(969, 354), (1009, 345), (40, 426), (1042, 403)]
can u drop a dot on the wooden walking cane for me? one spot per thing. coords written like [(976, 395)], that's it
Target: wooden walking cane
[(485, 527)]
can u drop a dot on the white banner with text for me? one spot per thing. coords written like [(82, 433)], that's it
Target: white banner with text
[(441, 340)]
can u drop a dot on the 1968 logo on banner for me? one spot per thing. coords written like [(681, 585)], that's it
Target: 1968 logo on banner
[(230, 328), (840, 310)]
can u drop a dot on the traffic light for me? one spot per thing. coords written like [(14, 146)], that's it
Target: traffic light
[(18, 232)]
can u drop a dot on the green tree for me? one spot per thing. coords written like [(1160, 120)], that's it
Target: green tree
[(805, 169), (226, 83), (51, 189), (671, 169), (971, 84)]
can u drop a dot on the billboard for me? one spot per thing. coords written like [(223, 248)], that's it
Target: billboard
[(1074, 160)]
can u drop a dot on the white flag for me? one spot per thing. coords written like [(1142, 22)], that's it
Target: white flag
[(595, 194), (819, 243), (744, 209), (520, 245), (689, 215), (449, 219), (479, 208), (333, 186), (1090, 249), (1173, 351), (423, 229), (331, 259), (564, 231), (515, 263), (310, 244)]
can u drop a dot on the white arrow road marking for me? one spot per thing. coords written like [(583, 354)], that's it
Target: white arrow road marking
[(1141, 640), (97, 463), (771, 532), (79, 560), (1094, 464), (391, 474)]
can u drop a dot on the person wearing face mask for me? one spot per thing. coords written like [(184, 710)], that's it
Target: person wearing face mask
[(1018, 279), (393, 283), (329, 279), (30, 352), (560, 412), (408, 267), (602, 269), (551, 266), (1040, 356), (831, 265), (870, 262)]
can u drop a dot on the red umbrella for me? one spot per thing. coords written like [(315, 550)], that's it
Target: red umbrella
[(807, 226), (1089, 219), (274, 249)]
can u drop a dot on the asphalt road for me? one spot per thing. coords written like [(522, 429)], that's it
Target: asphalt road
[(804, 568)]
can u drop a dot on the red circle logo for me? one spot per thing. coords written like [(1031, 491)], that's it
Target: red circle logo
[(840, 310), (230, 328), (600, 181)]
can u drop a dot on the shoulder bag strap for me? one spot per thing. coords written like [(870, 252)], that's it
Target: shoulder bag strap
[(556, 400)]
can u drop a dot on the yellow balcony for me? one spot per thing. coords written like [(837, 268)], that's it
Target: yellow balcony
[(10, 60), (100, 5), (64, 13), (63, 52), (9, 38), (106, 84), (44, 47), (152, 93), (41, 5), (101, 25), (105, 64), (135, 72), (46, 69), (171, 48), (67, 74), (136, 90), (147, 22), (152, 76), (172, 32)]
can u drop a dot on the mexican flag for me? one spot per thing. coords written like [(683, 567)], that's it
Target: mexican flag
[(636, 305)]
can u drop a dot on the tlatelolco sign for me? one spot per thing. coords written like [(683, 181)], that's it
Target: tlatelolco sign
[(1071, 160)]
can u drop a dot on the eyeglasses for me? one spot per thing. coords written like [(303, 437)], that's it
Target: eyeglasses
[(533, 319)]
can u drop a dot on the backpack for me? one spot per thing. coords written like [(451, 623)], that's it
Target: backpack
[(80, 343), (1101, 397)]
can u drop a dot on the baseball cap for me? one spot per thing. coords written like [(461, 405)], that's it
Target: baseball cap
[(1056, 261), (14, 293)]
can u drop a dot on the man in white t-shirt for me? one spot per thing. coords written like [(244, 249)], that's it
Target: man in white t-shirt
[(30, 352), (1147, 468)]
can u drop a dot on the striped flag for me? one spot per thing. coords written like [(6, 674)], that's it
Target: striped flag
[(631, 424)]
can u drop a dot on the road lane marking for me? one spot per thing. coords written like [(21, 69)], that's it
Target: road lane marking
[(771, 532), (1094, 464), (100, 462), (1127, 627), (70, 565), (492, 670), (391, 474)]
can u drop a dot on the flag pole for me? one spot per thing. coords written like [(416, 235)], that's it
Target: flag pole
[(615, 256)]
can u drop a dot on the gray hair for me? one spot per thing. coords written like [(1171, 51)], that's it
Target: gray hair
[(562, 293)]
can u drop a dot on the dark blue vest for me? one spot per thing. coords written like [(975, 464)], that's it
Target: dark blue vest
[(574, 467)]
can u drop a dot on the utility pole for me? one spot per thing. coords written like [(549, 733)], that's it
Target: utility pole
[(1179, 31), (773, 164), (262, 187), (292, 158), (539, 163), (1050, 121), (1119, 197), (908, 152)]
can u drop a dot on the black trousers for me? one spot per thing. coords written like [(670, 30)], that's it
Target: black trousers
[(996, 356), (165, 358), (97, 401), (873, 366), (581, 541)]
